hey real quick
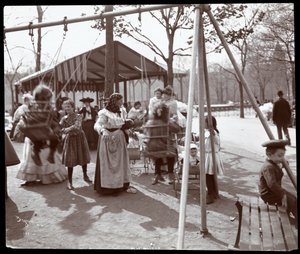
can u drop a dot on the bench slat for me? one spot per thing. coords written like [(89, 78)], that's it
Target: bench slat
[(288, 232), (256, 243), (276, 229), (266, 227), (245, 236)]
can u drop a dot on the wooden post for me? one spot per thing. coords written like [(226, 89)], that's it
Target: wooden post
[(109, 55), (200, 42), (116, 71), (248, 90), (125, 91), (183, 196)]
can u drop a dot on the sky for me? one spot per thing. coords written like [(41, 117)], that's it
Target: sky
[(79, 38)]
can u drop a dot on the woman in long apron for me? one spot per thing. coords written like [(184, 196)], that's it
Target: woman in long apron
[(112, 174)]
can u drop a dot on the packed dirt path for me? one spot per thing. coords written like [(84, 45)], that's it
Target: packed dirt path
[(52, 217)]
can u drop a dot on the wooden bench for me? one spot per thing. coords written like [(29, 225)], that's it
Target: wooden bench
[(264, 227)]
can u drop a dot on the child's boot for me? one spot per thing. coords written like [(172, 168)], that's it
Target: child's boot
[(51, 156), (36, 157)]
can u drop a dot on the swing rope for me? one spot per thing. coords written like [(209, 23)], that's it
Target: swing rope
[(8, 52), (57, 52), (68, 81)]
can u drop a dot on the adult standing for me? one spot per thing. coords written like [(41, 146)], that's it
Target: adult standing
[(282, 116), (89, 115), (169, 100), (112, 174), (16, 134), (159, 142)]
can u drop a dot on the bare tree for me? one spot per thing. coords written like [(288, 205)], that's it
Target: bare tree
[(239, 38), (172, 20), (11, 78), (280, 28)]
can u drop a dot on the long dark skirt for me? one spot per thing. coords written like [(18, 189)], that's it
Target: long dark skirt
[(97, 180), (90, 134)]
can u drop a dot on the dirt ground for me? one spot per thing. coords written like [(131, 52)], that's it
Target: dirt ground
[(52, 217)]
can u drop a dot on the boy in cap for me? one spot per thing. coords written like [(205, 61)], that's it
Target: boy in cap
[(270, 177)]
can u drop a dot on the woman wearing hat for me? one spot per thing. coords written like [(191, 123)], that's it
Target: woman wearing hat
[(112, 174), (89, 115), (169, 100)]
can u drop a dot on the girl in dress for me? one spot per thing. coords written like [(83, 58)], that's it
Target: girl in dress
[(75, 147), (112, 174), (210, 179)]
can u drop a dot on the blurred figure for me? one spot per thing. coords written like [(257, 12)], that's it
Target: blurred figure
[(16, 134), (169, 100), (11, 158), (154, 100), (160, 145), (282, 116), (40, 124), (137, 113)]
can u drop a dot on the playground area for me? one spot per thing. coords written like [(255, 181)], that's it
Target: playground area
[(51, 217)]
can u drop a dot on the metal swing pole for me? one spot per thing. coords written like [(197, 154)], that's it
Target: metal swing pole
[(208, 104), (185, 173), (246, 87), (201, 92)]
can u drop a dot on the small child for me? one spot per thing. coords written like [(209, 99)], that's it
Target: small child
[(75, 146), (270, 177), (210, 179), (154, 101), (194, 158)]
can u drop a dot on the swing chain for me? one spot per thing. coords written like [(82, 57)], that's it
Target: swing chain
[(31, 32), (4, 37), (140, 15), (102, 19), (65, 27)]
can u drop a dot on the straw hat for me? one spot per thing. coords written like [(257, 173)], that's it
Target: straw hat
[(87, 99)]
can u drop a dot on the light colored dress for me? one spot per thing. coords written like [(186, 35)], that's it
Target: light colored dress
[(112, 164), (208, 154), (47, 173)]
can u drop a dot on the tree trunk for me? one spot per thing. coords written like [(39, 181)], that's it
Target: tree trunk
[(39, 40), (241, 100), (109, 55), (293, 81), (170, 61)]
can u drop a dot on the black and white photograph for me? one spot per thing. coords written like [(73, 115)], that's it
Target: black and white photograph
[(150, 127)]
